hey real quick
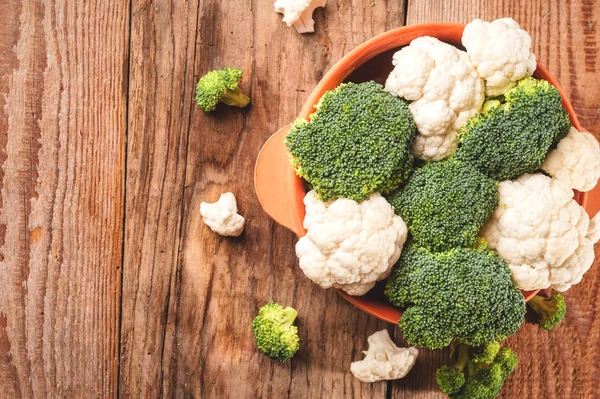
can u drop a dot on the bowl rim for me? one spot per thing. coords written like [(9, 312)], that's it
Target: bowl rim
[(294, 189)]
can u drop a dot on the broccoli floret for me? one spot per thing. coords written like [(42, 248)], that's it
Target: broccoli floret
[(463, 294), (220, 86), (551, 311), (484, 353), (470, 380), (513, 138), (356, 143), (274, 332), (445, 204)]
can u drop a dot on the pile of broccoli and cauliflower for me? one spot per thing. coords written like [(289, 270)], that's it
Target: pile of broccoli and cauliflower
[(454, 184)]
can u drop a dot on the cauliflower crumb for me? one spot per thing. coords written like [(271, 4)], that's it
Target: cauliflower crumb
[(222, 216), (384, 360), (299, 13), (350, 245), (445, 89), (501, 52), (575, 161)]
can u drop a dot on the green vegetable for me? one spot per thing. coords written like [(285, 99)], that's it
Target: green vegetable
[(464, 294), (513, 138), (274, 332), (220, 86), (356, 143), (445, 204), (469, 379), (484, 353), (551, 311)]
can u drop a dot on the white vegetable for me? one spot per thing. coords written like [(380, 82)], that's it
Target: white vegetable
[(222, 216), (350, 245), (501, 52), (594, 229), (541, 232), (299, 13), (384, 360), (575, 161), (446, 91)]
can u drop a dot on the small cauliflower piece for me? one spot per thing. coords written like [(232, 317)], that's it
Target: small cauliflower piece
[(299, 13), (575, 161), (541, 232), (384, 360), (445, 89), (501, 52), (594, 229), (222, 216), (350, 245)]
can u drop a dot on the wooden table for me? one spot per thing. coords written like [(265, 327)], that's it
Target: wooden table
[(110, 285)]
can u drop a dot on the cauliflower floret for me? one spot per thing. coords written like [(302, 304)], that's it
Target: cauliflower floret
[(299, 13), (384, 360), (446, 91), (222, 216), (594, 229), (501, 52), (541, 232), (350, 245), (575, 161)]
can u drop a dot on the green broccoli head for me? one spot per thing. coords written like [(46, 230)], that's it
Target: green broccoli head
[(220, 86), (470, 380), (513, 138), (445, 204), (274, 332), (551, 311), (463, 294), (356, 143)]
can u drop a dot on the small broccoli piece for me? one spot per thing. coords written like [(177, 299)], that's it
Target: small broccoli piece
[(551, 311), (470, 380), (220, 86), (356, 143), (463, 294), (445, 204), (484, 353), (274, 332), (512, 138)]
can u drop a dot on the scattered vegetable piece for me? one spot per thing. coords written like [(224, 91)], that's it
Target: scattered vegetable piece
[(446, 91), (445, 204), (222, 216), (463, 294), (275, 333), (384, 360), (501, 52), (299, 13), (220, 86), (575, 161), (350, 245), (356, 143), (514, 138), (551, 311), (468, 379), (541, 232)]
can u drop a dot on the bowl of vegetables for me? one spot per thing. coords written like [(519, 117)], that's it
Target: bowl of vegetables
[(456, 139)]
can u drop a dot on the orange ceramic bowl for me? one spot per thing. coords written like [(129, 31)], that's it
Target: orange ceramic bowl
[(281, 192)]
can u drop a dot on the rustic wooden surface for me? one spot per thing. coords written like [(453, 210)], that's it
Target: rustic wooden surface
[(110, 285)]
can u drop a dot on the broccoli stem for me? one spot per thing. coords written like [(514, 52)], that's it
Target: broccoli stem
[(463, 357), (289, 315), (235, 98)]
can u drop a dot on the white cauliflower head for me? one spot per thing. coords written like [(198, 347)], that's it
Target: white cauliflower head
[(222, 216), (501, 52), (350, 245), (446, 91), (299, 13), (575, 161), (384, 360), (541, 232)]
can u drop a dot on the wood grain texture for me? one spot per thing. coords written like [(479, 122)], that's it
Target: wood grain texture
[(62, 136)]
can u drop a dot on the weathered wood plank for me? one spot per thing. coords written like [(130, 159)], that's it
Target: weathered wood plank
[(62, 137)]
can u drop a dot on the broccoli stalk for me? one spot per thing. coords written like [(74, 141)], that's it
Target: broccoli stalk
[(476, 379), (274, 332), (551, 311), (220, 86)]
